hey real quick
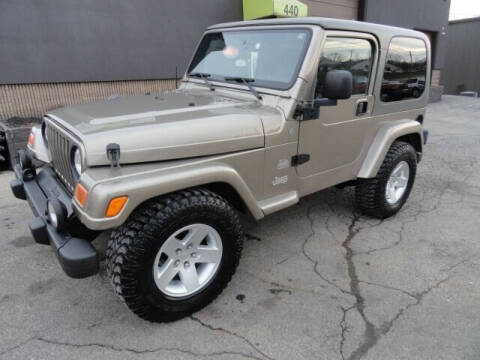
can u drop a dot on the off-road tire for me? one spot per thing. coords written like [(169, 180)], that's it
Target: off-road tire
[(133, 246), (370, 195)]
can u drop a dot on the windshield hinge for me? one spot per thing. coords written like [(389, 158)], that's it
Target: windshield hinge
[(311, 110), (300, 159)]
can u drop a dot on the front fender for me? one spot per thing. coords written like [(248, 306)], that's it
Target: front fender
[(145, 185), (386, 135)]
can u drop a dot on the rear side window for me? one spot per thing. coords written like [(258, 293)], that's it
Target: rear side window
[(405, 70), (354, 55)]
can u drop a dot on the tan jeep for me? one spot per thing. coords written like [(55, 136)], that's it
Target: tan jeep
[(268, 111)]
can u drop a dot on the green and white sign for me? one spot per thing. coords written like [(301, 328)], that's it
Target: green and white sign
[(257, 9)]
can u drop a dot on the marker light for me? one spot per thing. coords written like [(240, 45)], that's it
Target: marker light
[(81, 194), (115, 206), (31, 139)]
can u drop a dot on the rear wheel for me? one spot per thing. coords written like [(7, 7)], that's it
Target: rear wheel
[(384, 195), (175, 255)]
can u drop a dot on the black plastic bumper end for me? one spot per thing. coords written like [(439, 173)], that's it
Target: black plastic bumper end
[(38, 228), (17, 189), (78, 258)]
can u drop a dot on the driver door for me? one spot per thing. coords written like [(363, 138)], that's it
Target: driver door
[(334, 140)]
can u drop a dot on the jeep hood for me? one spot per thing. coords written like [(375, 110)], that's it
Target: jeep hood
[(167, 126)]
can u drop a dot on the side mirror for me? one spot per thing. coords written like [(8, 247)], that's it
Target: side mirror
[(338, 85)]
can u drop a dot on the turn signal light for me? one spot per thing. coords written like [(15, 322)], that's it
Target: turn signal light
[(115, 206), (81, 194), (31, 139)]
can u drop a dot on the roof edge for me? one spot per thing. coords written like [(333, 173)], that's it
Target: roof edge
[(325, 23), (470, 19)]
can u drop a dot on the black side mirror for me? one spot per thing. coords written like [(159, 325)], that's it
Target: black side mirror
[(338, 85)]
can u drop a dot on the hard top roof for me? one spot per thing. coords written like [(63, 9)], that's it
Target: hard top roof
[(383, 32)]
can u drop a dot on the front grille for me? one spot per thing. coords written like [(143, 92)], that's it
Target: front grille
[(60, 147)]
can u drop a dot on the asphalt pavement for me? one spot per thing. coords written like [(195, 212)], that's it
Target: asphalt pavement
[(316, 281)]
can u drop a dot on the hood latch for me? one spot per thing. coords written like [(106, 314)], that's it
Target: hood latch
[(113, 154)]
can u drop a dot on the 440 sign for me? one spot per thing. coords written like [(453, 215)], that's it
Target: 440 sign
[(257, 9), (289, 8)]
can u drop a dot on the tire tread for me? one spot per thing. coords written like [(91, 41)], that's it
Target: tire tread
[(126, 247), (369, 193)]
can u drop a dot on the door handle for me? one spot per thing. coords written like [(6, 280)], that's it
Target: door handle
[(362, 107)]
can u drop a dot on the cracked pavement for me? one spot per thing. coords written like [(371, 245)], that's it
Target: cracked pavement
[(316, 281)]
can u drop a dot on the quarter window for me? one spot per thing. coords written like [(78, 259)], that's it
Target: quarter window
[(354, 55), (405, 70)]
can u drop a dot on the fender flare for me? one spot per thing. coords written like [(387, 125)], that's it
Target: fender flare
[(386, 135), (142, 187)]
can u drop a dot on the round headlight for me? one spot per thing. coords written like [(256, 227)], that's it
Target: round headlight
[(77, 161)]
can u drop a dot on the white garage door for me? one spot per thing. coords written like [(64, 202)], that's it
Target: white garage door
[(341, 9)]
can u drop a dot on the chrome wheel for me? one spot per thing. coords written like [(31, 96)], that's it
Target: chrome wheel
[(188, 260), (397, 183)]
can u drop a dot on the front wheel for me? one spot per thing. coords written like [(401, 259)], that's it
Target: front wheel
[(175, 255), (384, 195)]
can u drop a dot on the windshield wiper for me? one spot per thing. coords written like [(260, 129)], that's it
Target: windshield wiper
[(204, 77), (247, 82)]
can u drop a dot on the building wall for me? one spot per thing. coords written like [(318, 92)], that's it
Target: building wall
[(34, 100), (342, 9), (462, 62), (93, 48), (103, 40)]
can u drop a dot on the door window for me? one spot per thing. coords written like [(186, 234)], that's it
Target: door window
[(354, 55)]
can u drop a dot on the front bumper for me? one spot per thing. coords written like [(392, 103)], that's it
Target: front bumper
[(78, 258)]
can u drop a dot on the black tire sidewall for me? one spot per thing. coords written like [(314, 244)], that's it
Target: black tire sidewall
[(409, 156), (137, 278)]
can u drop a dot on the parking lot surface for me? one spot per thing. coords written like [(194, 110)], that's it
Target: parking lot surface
[(316, 281)]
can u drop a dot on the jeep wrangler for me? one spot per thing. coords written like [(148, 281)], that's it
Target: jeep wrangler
[(268, 111)]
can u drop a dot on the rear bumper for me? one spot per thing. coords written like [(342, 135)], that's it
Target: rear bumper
[(78, 258)]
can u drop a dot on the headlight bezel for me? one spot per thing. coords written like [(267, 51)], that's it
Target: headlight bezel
[(76, 160), (44, 133)]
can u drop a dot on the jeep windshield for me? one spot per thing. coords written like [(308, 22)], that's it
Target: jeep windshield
[(271, 58)]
